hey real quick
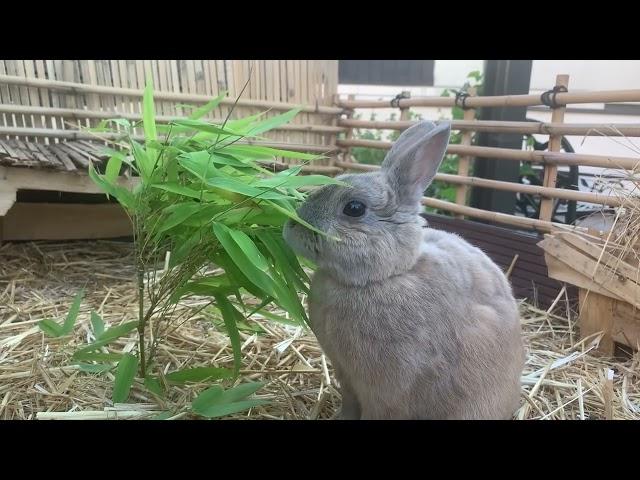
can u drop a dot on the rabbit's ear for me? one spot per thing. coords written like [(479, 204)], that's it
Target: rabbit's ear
[(415, 158)]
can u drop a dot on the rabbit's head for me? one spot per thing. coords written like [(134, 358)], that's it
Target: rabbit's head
[(376, 216)]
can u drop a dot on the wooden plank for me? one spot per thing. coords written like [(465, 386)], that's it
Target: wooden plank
[(60, 181), (82, 150), (50, 221), (626, 325), (588, 267), (79, 160), (559, 271), (596, 314), (51, 158), (63, 157), (9, 149), (25, 152), (616, 265)]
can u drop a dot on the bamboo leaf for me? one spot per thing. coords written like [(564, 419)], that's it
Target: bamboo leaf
[(97, 324), (125, 375), (199, 374)]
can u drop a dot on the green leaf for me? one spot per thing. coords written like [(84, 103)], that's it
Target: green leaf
[(124, 196), (199, 374), (249, 249), (205, 127), (148, 113), (93, 368), (209, 106), (113, 167), (97, 324), (297, 181), (107, 337), (215, 402), (50, 327), (239, 258), (188, 192), (117, 331), (124, 378), (273, 122), (260, 152), (207, 397), (179, 214), (240, 391), (70, 321), (230, 316), (153, 385)]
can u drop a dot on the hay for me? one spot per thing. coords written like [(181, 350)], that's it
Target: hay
[(564, 378)]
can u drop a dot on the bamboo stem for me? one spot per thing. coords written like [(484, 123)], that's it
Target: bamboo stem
[(464, 161), (534, 156), (72, 88), (559, 193), (78, 114), (604, 96), (541, 128), (80, 135), (555, 144)]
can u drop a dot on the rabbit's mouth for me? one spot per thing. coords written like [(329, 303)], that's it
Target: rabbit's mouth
[(303, 241)]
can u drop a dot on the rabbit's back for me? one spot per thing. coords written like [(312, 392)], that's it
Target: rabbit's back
[(440, 341)]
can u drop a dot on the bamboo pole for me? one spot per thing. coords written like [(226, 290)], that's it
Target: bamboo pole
[(535, 156), (349, 136), (464, 161), (78, 114), (523, 222), (560, 193), (81, 88), (80, 135), (583, 129), (604, 96), (555, 144)]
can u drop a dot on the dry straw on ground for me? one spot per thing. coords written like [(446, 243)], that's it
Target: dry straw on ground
[(564, 378)]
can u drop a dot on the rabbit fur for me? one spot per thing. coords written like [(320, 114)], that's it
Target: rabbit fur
[(417, 323)]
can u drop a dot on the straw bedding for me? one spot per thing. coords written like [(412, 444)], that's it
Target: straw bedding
[(564, 378)]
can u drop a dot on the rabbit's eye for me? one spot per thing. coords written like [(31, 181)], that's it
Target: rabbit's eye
[(354, 208)]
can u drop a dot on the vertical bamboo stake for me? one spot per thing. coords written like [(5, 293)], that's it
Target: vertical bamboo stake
[(349, 135), (404, 111), (465, 161), (555, 144)]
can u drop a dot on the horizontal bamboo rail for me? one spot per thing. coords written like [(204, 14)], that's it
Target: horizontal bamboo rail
[(535, 156), (81, 88), (79, 114), (503, 218), (588, 129), (80, 135), (559, 193), (610, 96)]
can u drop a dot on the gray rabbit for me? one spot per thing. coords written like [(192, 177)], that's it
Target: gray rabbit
[(418, 323)]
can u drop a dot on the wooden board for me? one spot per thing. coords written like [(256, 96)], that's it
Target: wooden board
[(596, 314), (50, 221)]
